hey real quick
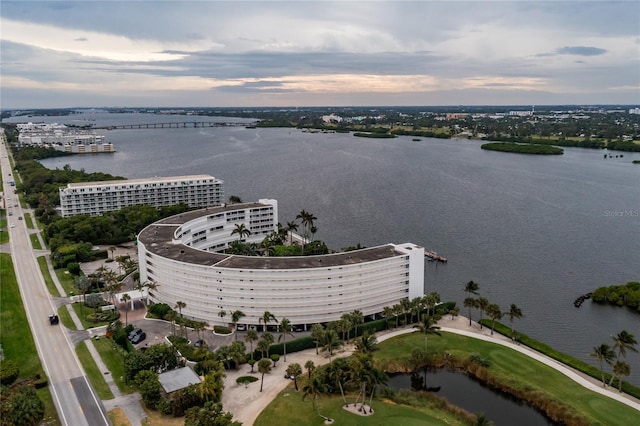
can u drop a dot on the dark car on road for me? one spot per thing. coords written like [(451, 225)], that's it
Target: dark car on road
[(53, 319), (137, 336)]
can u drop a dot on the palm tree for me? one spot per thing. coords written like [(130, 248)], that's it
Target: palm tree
[(306, 219), (427, 326), (387, 312), (482, 420), (264, 366), (623, 341), (337, 373), (267, 246), (292, 226), (482, 305), (603, 353), (112, 249), (139, 286), (267, 340), (330, 342), (236, 316), (251, 336), (397, 311), (514, 313), (621, 368), (267, 317), (222, 313), (210, 389), (356, 318), (241, 230), (179, 305), (309, 366), (471, 288), (405, 304), (344, 326), (171, 317), (317, 333), (470, 302), (285, 328), (295, 371), (125, 298), (366, 344), (315, 386), (494, 312)]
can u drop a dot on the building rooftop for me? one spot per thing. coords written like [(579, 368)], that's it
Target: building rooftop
[(179, 378), (158, 238), (141, 180)]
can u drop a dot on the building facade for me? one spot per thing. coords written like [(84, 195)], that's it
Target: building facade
[(95, 198), (182, 255)]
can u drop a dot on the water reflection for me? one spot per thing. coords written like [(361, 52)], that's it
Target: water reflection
[(468, 393)]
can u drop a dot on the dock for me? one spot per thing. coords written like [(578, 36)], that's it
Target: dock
[(435, 256)]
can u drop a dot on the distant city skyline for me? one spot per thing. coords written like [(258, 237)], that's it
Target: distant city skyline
[(267, 53)]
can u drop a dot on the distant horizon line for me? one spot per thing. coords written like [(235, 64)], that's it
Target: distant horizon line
[(325, 106)]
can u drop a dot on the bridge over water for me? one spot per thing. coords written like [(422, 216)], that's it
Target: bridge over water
[(174, 124)]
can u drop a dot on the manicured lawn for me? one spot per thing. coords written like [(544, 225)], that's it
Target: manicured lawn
[(289, 408), (15, 334), (42, 262), (520, 370), (112, 358), (118, 417), (65, 318), (93, 372)]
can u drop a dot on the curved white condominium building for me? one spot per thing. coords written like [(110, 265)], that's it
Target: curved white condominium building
[(181, 255)]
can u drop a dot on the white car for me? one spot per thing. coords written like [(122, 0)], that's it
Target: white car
[(13, 225)]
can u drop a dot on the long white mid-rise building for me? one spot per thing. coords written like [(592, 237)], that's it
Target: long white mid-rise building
[(182, 254), (95, 198)]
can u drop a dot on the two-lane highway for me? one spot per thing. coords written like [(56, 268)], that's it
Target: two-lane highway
[(75, 399)]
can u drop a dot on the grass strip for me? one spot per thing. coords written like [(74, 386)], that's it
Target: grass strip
[(51, 286), (67, 281), (118, 417), (35, 242), (15, 334), (113, 358), (28, 220), (65, 317), (93, 372), (561, 357)]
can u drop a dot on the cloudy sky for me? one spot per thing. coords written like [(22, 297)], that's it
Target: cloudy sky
[(305, 53)]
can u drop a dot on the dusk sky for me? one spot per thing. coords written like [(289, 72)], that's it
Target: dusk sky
[(303, 53)]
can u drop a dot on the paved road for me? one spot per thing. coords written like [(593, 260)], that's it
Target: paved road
[(73, 396)]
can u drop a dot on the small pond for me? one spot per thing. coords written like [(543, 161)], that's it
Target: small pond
[(468, 393)]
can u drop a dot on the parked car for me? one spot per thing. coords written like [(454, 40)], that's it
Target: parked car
[(241, 327), (137, 336), (199, 343), (53, 319)]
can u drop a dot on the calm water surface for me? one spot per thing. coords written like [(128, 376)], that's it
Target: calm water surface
[(465, 392), (537, 231)]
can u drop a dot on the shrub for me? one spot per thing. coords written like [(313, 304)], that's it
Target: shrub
[(221, 329), (245, 380), (159, 310), (74, 268), (9, 372)]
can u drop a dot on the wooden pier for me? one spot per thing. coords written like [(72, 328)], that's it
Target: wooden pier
[(435, 256)]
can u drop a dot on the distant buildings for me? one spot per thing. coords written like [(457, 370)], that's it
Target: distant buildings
[(184, 255), (62, 138), (95, 198)]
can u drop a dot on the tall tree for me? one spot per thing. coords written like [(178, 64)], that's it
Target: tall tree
[(482, 305), (309, 366), (427, 325), (331, 342), (493, 312), (514, 313), (292, 227), (366, 344), (357, 318), (179, 305), (470, 288), (266, 318), (285, 329), (317, 334), (621, 368), (294, 370), (251, 336), (241, 230), (470, 302), (125, 299), (236, 316), (264, 367), (603, 353), (314, 387)]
